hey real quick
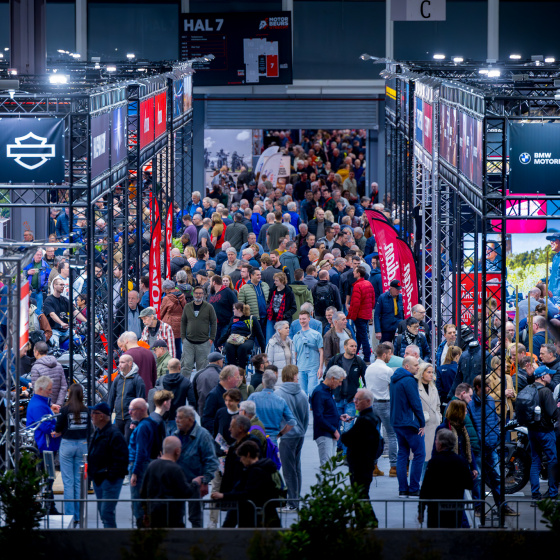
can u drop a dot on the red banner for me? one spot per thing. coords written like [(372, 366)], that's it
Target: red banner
[(161, 114), (493, 290), (169, 238), (155, 255), (146, 123), (395, 260), (24, 315)]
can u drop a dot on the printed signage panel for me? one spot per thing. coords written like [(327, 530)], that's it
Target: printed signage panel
[(146, 122), (118, 136), (448, 134), (187, 93), (418, 121), (161, 114), (427, 141), (31, 150), (249, 47), (177, 98), (100, 133), (534, 158)]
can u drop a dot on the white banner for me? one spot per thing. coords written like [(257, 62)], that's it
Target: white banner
[(418, 10), (271, 168), (284, 170), (266, 154)]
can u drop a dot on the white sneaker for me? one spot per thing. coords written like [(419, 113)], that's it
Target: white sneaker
[(126, 480), (212, 525)]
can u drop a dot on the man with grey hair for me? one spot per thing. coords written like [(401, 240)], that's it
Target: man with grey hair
[(413, 350), (325, 413), (273, 410), (230, 266), (262, 239), (333, 341), (362, 442), (249, 409), (287, 219)]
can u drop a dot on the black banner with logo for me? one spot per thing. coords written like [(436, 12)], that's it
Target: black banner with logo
[(534, 158), (31, 150), (100, 127), (249, 48)]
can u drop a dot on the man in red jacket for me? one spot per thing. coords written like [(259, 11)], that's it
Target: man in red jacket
[(361, 310)]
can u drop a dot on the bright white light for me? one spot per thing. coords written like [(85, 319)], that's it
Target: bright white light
[(483, 71), (58, 79), (61, 51), (141, 69), (515, 56), (130, 56), (550, 59), (439, 57), (12, 71), (6, 49), (458, 59), (1, 55), (494, 73), (97, 66), (75, 55), (111, 68)]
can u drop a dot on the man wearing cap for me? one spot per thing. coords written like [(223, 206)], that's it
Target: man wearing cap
[(107, 462), (159, 348), (542, 436), (554, 279), (154, 329), (388, 312)]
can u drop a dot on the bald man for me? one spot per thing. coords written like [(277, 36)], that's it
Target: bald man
[(165, 480)]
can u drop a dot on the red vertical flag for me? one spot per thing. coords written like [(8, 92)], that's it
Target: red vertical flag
[(169, 238), (155, 255)]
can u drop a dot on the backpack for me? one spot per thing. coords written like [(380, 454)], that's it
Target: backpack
[(271, 452), (280, 488), (323, 297), (527, 400)]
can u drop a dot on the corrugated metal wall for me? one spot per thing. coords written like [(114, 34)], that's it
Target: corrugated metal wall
[(309, 112)]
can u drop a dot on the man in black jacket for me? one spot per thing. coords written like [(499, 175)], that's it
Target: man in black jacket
[(222, 300), (362, 441), (355, 369), (229, 379), (107, 463)]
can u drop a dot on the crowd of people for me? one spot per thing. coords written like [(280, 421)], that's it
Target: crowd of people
[(274, 317)]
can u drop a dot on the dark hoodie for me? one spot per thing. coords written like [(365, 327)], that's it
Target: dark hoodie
[(376, 282), (186, 290), (298, 404), (406, 406), (182, 390), (256, 485)]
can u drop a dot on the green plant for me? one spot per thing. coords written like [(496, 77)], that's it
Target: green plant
[(146, 544), (19, 491), (551, 513), (333, 523)]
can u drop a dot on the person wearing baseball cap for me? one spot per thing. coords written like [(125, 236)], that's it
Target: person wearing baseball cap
[(154, 329), (107, 462), (159, 348), (554, 279), (389, 312)]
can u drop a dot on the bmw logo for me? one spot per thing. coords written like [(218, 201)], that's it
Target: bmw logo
[(525, 158)]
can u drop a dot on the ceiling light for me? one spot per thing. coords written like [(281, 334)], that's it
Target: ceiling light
[(58, 79), (111, 68), (130, 56), (439, 56), (495, 73), (515, 56), (483, 71), (550, 59), (457, 59)]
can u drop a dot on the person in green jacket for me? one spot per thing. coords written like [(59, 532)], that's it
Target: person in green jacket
[(301, 292), (159, 348)]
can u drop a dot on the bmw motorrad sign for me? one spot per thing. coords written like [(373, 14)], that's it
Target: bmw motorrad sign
[(31, 150), (534, 158)]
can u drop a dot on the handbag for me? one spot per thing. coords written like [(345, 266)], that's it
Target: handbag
[(238, 339)]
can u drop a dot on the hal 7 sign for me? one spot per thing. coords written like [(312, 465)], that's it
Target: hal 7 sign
[(249, 48), (31, 150)]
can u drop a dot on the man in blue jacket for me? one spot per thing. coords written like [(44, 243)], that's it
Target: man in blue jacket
[(38, 276), (389, 312), (407, 418), (325, 413)]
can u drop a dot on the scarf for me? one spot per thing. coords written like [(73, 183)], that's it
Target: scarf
[(270, 314), (409, 337)]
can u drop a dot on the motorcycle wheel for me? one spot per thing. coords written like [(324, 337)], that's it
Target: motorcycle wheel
[(517, 472)]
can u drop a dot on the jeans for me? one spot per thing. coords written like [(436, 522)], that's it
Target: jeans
[(492, 474), (387, 336), (345, 406), (124, 428), (178, 348), (58, 337), (137, 508), (308, 381), (194, 354), (543, 443), (195, 511), (238, 355), (269, 330), (410, 440), (290, 455), (71, 457), (326, 446), (383, 413), (39, 299), (362, 336), (108, 490)]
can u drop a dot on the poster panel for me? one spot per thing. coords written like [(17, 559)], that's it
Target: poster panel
[(100, 144), (118, 135), (161, 114), (146, 122)]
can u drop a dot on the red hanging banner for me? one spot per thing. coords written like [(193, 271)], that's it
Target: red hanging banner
[(169, 238), (395, 260), (155, 255)]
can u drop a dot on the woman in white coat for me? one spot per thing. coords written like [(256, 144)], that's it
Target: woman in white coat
[(430, 405), (279, 349)]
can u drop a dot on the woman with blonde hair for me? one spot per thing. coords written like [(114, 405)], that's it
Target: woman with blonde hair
[(190, 253), (430, 405), (218, 230), (495, 384)]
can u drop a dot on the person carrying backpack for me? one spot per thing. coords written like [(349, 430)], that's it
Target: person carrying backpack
[(325, 295), (536, 409)]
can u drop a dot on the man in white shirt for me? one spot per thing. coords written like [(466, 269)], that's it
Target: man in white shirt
[(378, 377)]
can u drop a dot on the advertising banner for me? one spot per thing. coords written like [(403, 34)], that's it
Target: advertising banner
[(187, 93), (403, 100), (534, 158), (155, 255), (395, 260), (391, 95), (31, 150), (161, 114), (118, 135), (493, 290), (470, 143), (427, 139), (146, 122), (24, 315), (271, 168), (100, 132), (418, 121), (177, 98), (448, 134), (249, 47), (169, 238), (264, 156)]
